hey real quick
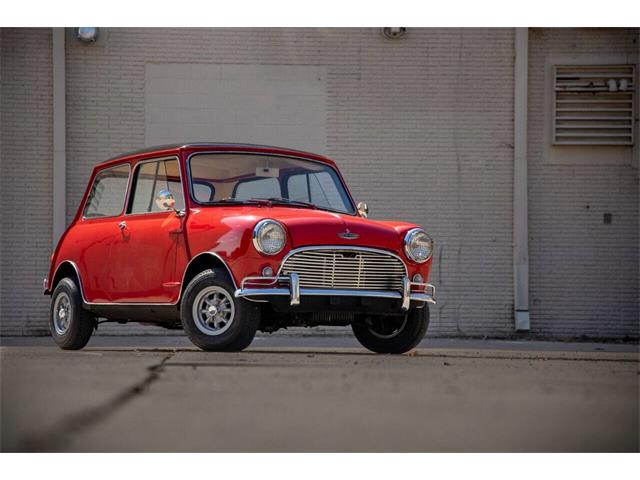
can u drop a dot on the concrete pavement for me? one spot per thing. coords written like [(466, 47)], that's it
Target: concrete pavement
[(289, 393)]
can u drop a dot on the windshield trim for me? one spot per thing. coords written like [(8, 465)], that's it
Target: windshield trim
[(353, 212)]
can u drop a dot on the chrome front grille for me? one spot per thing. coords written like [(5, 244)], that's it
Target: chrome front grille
[(346, 269)]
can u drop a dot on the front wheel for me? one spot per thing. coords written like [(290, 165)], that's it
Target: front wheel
[(71, 326), (392, 334), (213, 319)]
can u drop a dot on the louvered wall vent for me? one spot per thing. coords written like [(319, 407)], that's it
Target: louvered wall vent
[(593, 105)]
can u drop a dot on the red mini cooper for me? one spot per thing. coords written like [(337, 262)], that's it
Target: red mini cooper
[(223, 240)]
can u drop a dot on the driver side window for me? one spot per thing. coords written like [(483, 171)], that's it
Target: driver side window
[(156, 187)]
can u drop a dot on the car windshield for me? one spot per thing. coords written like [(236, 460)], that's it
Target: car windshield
[(251, 178)]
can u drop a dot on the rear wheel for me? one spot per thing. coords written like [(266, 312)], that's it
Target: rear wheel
[(71, 326), (392, 334), (213, 319)]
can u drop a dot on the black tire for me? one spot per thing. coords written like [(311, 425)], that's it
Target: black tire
[(242, 327), (74, 329), (391, 334)]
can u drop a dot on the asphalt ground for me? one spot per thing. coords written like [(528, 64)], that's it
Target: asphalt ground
[(318, 393)]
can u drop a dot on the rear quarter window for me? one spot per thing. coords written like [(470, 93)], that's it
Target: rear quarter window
[(108, 192)]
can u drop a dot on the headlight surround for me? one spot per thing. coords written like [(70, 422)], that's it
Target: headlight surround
[(269, 237), (418, 245)]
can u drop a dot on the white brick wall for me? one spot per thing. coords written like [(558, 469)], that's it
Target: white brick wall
[(25, 178), (584, 274), (422, 128), (431, 112), (241, 103)]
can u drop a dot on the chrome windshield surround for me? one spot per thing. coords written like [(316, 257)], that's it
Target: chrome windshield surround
[(289, 284), (352, 213)]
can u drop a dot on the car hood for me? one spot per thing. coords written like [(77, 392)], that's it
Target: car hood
[(232, 227), (318, 227)]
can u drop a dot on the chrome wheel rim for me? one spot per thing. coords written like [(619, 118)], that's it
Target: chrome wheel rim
[(62, 313), (213, 310), (387, 329)]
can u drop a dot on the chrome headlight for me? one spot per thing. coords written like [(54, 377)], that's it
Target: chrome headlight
[(418, 245), (269, 237)]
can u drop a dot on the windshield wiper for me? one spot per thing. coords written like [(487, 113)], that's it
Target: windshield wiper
[(266, 201), (237, 201), (288, 201)]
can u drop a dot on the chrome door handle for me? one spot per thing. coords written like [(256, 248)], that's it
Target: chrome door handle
[(122, 225)]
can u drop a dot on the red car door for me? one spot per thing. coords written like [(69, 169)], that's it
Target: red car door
[(94, 236), (151, 240)]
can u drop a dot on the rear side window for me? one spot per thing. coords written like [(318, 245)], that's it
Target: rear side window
[(106, 198), (154, 183)]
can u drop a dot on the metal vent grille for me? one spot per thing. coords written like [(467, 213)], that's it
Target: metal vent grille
[(593, 105), (346, 269)]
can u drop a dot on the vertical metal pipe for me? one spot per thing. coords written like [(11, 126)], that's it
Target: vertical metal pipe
[(520, 197), (59, 134)]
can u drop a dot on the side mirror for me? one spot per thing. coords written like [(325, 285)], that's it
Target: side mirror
[(363, 209)]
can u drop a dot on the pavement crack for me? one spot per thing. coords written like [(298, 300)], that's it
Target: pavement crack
[(54, 438)]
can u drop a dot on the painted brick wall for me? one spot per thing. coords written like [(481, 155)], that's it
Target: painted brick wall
[(584, 274), (25, 178), (250, 103), (422, 128)]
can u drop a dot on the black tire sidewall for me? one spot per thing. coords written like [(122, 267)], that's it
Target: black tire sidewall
[(408, 338), (245, 320), (81, 323)]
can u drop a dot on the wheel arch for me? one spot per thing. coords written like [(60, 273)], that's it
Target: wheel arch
[(201, 262), (67, 268)]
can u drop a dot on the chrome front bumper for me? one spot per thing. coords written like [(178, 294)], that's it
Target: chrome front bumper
[(289, 285)]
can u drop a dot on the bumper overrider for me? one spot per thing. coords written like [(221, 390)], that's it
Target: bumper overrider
[(289, 285)]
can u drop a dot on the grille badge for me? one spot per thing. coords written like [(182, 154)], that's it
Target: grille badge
[(347, 235)]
